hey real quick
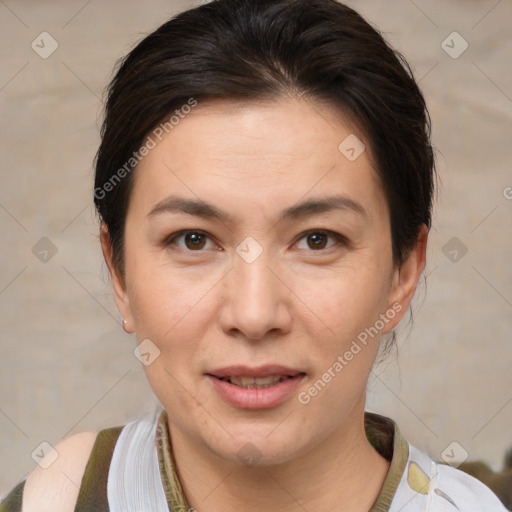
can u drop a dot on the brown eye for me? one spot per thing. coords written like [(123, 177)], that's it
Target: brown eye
[(317, 239), (194, 240)]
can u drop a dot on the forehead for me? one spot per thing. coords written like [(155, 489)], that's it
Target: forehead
[(266, 154)]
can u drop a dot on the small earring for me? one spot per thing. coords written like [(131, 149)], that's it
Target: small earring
[(125, 323)]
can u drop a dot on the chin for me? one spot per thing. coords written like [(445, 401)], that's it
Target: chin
[(256, 453), (250, 445)]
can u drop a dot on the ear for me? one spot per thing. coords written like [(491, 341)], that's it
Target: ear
[(405, 279), (118, 282)]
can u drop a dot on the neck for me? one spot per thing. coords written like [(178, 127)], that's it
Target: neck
[(343, 473)]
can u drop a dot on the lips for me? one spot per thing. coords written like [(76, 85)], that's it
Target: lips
[(255, 377), (256, 388), (256, 382)]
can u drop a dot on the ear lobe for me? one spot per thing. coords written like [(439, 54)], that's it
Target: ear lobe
[(117, 280), (405, 278)]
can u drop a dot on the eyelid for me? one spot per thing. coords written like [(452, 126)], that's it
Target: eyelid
[(341, 239), (170, 240)]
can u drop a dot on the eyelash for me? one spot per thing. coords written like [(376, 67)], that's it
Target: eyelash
[(170, 240)]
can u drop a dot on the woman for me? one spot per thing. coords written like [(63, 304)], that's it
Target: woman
[(264, 184)]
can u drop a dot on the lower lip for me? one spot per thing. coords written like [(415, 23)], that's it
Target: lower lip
[(256, 398)]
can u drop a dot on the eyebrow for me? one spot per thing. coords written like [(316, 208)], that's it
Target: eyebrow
[(312, 206)]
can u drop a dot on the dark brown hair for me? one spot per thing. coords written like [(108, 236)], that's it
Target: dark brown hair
[(262, 50)]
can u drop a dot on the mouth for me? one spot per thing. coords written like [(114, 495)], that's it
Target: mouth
[(256, 387), (256, 382)]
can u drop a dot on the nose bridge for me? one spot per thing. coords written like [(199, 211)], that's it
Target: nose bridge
[(255, 295), (253, 279)]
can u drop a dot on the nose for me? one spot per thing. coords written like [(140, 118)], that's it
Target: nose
[(256, 300)]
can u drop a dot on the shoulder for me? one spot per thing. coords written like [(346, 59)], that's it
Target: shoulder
[(467, 490), (446, 487), (55, 489)]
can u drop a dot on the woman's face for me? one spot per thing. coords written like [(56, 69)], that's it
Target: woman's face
[(238, 289)]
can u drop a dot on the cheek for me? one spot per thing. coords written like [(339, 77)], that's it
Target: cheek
[(353, 299), (349, 331), (162, 300), (168, 314), (348, 342)]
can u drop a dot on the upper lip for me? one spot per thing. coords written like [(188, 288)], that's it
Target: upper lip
[(255, 371)]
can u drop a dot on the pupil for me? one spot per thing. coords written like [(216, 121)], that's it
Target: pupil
[(195, 238), (317, 239)]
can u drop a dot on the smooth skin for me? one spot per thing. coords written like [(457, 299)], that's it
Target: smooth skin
[(300, 303)]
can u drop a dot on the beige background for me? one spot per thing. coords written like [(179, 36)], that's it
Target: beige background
[(67, 366)]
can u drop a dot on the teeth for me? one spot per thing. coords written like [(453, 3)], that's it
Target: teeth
[(257, 382)]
